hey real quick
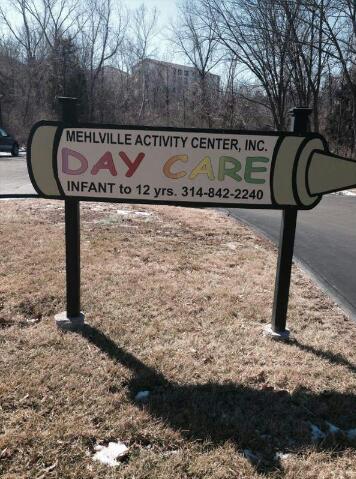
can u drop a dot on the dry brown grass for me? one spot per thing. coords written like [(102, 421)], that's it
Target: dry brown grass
[(176, 302)]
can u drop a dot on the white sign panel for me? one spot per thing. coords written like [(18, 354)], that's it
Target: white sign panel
[(196, 167), (148, 165)]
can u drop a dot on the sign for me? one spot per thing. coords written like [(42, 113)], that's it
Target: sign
[(182, 167), (187, 167)]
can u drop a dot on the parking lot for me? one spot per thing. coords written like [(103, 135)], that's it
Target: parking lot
[(14, 179)]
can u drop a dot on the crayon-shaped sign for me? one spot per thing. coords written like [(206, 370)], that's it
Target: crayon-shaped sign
[(197, 167)]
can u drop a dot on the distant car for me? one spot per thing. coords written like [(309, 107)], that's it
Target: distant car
[(8, 144)]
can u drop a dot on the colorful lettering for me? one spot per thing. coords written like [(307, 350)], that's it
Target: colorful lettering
[(106, 162), (203, 168), (66, 153), (250, 169), (232, 171), (132, 166), (169, 163)]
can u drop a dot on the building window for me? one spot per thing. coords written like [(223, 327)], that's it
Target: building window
[(186, 73), (179, 72)]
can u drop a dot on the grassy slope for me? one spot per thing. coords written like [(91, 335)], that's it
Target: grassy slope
[(176, 302)]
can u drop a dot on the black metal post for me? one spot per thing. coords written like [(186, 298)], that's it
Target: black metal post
[(300, 124), (1, 120), (73, 315)]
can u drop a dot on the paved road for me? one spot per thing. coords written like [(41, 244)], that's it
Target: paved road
[(325, 239), (14, 178), (325, 243)]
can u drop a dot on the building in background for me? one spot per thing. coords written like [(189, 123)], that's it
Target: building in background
[(175, 77), (174, 94)]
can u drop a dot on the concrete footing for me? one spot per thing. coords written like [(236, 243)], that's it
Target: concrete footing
[(279, 336), (69, 324)]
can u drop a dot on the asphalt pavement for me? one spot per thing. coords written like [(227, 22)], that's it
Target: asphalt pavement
[(14, 179), (325, 243), (325, 239)]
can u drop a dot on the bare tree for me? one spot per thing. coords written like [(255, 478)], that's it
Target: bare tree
[(258, 34), (197, 41), (58, 22), (101, 38), (338, 21), (28, 36), (242, 103), (46, 35), (308, 53), (143, 32)]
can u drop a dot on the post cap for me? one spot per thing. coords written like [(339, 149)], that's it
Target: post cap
[(65, 99), (300, 119), (300, 110)]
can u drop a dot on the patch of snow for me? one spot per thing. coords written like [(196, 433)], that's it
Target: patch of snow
[(345, 193), (170, 453), (123, 212), (142, 214), (142, 396), (47, 469), (351, 434), (332, 428), (316, 433), (232, 246), (109, 454), (33, 320), (281, 455), (250, 456)]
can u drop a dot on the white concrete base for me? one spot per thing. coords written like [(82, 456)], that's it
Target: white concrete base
[(69, 324), (282, 336)]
